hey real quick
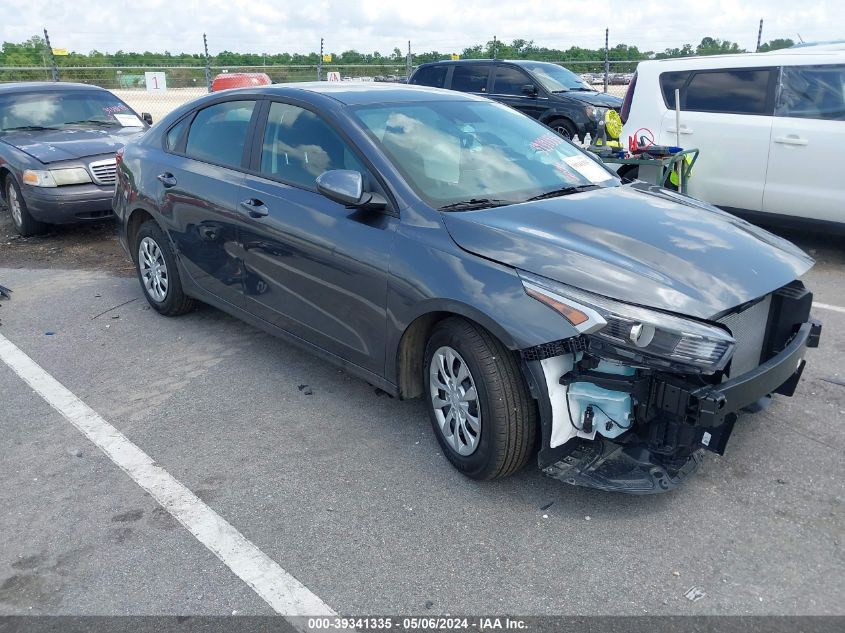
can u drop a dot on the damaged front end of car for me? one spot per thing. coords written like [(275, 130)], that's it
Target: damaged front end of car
[(630, 403)]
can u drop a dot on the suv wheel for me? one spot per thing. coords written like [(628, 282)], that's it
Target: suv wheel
[(157, 271), (479, 405), (563, 127), (24, 223)]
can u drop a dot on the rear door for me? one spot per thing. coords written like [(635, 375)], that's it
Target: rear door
[(727, 115), (808, 134), (509, 87), (312, 266), (200, 179)]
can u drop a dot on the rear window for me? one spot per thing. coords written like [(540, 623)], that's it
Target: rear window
[(218, 133), (737, 91), (434, 76), (812, 92), (470, 78)]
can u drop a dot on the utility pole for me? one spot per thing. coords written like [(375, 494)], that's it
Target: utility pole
[(606, 59), (409, 62), (495, 48), (207, 63), (320, 62), (54, 71), (759, 35)]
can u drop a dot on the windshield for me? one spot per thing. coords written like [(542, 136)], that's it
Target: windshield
[(555, 78), (468, 151), (28, 110)]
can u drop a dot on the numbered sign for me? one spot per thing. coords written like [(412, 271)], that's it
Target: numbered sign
[(156, 82)]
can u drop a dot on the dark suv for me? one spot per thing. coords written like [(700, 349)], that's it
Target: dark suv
[(548, 92)]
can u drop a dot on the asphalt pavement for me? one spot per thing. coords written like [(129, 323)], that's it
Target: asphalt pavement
[(347, 490)]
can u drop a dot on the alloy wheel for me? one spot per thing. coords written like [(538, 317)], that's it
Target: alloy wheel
[(15, 206), (153, 269), (454, 398)]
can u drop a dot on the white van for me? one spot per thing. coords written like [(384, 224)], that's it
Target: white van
[(770, 127)]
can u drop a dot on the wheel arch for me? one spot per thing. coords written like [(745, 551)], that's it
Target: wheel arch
[(136, 218)]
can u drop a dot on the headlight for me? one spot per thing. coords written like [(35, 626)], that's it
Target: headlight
[(56, 177), (634, 333), (594, 112)]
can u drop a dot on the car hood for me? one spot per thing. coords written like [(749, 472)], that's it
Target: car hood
[(598, 99), (50, 146), (645, 246)]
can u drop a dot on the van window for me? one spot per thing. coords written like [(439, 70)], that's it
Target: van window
[(510, 81), (735, 91), (470, 77), (434, 76), (812, 92)]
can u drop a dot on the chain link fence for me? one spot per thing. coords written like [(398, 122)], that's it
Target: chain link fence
[(158, 90)]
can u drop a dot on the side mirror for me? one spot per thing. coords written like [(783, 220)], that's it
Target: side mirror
[(529, 90), (346, 186), (147, 118)]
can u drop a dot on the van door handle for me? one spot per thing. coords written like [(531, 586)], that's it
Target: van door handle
[(256, 208), (791, 140), (167, 179), (684, 130)]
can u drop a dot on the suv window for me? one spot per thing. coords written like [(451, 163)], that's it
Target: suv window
[(669, 82), (470, 77), (299, 146), (812, 92), (736, 91), (434, 76), (218, 133), (509, 81)]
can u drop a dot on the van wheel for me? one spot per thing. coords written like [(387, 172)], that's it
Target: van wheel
[(24, 223), (478, 402), (563, 127)]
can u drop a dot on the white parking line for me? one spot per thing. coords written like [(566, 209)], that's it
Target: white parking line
[(825, 306), (284, 593)]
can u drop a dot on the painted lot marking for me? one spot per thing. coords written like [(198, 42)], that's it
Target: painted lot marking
[(825, 306), (284, 593)]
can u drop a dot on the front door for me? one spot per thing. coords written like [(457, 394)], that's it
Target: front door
[(312, 266)]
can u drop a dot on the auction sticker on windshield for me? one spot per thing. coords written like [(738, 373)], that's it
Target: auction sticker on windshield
[(587, 168), (128, 120)]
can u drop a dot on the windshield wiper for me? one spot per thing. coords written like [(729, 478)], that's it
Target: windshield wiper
[(29, 127), (93, 121), (563, 191), (474, 203)]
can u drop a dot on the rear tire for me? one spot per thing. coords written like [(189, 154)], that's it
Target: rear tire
[(482, 414), (157, 271), (25, 224)]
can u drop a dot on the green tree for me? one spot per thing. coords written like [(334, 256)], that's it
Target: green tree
[(776, 44)]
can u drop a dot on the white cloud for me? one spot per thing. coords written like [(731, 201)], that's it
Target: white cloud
[(443, 25)]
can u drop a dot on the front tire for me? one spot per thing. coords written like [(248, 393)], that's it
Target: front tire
[(157, 272), (25, 224), (478, 402), (565, 128)]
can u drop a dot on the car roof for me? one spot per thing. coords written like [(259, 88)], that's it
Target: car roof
[(518, 62), (788, 57), (46, 86), (362, 93)]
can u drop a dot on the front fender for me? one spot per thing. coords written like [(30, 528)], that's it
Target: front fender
[(442, 278)]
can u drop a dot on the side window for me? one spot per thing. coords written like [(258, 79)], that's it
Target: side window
[(470, 77), (737, 91), (669, 82), (298, 146), (434, 76), (175, 134), (509, 81), (812, 92), (218, 133)]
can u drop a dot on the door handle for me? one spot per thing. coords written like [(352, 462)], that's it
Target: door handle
[(791, 140), (684, 130), (256, 208), (167, 179)]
